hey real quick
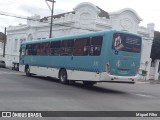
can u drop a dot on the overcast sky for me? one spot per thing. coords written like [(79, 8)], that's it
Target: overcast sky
[(148, 10)]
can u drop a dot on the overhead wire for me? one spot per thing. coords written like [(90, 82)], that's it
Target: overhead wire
[(29, 18)]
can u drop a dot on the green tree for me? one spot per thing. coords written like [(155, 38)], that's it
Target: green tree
[(155, 51)]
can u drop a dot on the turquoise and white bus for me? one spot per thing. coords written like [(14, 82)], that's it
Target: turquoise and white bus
[(105, 56)]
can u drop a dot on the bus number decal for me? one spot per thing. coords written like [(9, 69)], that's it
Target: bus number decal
[(95, 63)]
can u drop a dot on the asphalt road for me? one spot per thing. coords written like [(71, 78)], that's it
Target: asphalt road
[(21, 93)]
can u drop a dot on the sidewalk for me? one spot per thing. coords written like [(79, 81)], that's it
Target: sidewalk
[(154, 81), (149, 81)]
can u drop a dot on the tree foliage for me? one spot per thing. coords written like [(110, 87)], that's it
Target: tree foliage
[(155, 51)]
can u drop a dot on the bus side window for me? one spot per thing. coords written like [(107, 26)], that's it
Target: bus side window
[(81, 47), (67, 47), (43, 49), (29, 49), (63, 45), (55, 48), (95, 47), (34, 49)]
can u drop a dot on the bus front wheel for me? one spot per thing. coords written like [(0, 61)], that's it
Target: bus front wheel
[(27, 70), (63, 76)]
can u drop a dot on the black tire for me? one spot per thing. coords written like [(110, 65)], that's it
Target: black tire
[(63, 76), (27, 70), (89, 83)]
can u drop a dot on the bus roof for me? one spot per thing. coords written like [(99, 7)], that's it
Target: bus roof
[(76, 36)]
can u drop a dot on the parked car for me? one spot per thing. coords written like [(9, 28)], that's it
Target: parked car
[(2, 64)]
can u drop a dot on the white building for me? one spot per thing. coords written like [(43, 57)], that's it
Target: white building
[(1, 48), (2, 38), (84, 18)]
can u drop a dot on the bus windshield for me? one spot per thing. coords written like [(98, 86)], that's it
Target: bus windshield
[(125, 42)]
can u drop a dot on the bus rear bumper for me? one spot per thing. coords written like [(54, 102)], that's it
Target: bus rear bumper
[(105, 77)]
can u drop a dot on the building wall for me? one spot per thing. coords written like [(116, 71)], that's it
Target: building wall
[(1, 50), (85, 19)]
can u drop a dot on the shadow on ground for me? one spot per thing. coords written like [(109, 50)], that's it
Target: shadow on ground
[(80, 85)]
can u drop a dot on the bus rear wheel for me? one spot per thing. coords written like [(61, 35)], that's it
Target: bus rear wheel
[(63, 76), (89, 83)]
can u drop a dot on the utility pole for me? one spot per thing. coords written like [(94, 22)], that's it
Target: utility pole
[(5, 39), (52, 9)]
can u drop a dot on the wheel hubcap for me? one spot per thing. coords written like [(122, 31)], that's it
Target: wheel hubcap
[(63, 77), (27, 70)]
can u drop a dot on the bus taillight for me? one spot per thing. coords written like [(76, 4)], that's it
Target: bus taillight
[(108, 68)]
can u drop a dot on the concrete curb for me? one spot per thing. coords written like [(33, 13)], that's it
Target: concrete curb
[(143, 82), (149, 82)]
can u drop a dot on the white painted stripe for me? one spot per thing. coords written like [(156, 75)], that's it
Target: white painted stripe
[(143, 82), (143, 95), (15, 73)]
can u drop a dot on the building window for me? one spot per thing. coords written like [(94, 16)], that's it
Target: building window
[(15, 44), (30, 37), (22, 40), (152, 64)]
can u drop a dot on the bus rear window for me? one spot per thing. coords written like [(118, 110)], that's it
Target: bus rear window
[(126, 42)]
